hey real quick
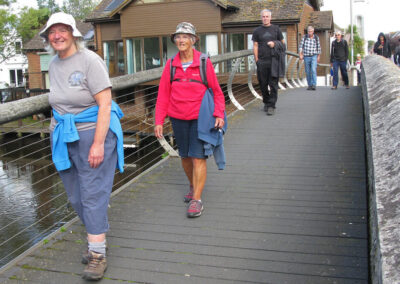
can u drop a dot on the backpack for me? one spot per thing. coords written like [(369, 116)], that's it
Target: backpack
[(306, 36), (203, 70)]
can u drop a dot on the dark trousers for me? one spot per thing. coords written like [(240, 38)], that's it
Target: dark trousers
[(342, 66), (265, 79)]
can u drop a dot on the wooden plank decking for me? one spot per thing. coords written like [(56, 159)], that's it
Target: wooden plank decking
[(290, 207)]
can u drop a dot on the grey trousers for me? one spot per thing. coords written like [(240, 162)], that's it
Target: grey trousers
[(89, 189)]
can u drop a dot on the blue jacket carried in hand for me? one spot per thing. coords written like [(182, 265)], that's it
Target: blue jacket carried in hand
[(213, 138), (65, 132)]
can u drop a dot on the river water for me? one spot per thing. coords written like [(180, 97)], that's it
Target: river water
[(32, 198)]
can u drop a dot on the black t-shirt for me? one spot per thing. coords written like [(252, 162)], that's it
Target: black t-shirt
[(263, 35)]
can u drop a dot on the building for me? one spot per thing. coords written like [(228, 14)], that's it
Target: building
[(39, 58), (134, 35), (13, 69)]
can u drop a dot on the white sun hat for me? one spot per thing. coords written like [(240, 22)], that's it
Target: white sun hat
[(61, 18)]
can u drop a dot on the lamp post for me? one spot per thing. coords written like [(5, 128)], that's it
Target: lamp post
[(351, 35)]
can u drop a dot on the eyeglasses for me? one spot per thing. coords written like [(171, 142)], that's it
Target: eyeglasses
[(182, 37)]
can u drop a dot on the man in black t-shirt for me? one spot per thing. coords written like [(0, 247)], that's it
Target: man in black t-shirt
[(264, 39)]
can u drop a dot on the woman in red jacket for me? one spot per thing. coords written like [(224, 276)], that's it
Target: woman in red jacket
[(181, 101)]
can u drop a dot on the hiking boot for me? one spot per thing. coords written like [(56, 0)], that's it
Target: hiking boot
[(95, 268), (189, 195), (270, 111), (85, 256), (195, 208)]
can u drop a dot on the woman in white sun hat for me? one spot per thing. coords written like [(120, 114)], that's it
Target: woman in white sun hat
[(85, 132)]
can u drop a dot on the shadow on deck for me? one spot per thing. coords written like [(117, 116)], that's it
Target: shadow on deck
[(290, 207)]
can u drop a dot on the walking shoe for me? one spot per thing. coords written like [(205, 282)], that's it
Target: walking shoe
[(265, 108), (309, 88), (347, 87), (334, 88), (313, 88), (95, 268), (195, 208), (189, 195), (85, 256), (270, 111)]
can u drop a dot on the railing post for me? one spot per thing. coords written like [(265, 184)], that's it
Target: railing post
[(167, 147), (285, 79), (250, 81), (230, 81), (299, 71), (292, 74)]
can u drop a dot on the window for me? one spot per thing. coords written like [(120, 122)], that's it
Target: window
[(144, 53), (12, 78), (121, 60), (16, 77), (20, 77), (250, 45), (134, 56), (209, 44), (18, 47), (235, 42), (114, 57), (151, 53), (169, 49)]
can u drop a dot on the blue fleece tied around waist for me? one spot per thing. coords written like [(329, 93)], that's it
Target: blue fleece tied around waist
[(213, 138), (65, 132)]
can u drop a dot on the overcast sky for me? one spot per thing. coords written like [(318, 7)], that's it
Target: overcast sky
[(379, 15)]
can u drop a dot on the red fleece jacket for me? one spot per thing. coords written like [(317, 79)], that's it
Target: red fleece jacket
[(182, 99)]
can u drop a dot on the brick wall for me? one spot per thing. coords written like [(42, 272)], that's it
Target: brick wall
[(34, 73)]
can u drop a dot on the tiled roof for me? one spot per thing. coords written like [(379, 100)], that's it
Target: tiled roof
[(250, 10), (224, 3), (98, 12), (37, 43), (321, 20), (239, 10)]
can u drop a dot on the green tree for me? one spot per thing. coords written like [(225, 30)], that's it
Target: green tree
[(6, 2), (371, 45), (30, 21), (358, 43), (8, 34), (80, 9), (16, 27), (49, 4)]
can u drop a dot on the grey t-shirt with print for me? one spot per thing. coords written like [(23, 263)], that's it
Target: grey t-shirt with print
[(73, 83)]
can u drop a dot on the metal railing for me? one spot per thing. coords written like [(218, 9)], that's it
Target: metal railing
[(29, 181)]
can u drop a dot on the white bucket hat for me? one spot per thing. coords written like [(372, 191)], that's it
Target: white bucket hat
[(184, 28), (61, 18)]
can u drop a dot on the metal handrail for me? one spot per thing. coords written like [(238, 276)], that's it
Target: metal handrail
[(29, 106), (238, 92)]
